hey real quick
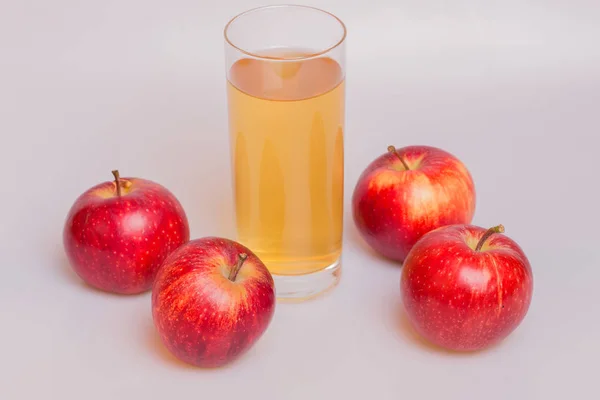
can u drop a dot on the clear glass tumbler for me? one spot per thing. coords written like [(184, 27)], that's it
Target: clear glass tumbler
[(286, 100)]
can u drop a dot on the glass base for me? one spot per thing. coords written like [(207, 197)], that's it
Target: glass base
[(297, 288)]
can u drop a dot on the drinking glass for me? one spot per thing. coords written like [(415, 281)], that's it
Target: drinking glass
[(286, 97)]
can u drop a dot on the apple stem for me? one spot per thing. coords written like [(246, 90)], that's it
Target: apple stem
[(487, 234), (392, 149), (117, 181), (234, 271)]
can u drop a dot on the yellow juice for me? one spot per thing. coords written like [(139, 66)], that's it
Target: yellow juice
[(286, 126)]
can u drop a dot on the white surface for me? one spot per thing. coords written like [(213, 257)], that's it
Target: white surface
[(512, 89)]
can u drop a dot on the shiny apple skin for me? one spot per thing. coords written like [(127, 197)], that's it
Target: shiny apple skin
[(202, 317), (463, 300), (392, 207), (116, 244)]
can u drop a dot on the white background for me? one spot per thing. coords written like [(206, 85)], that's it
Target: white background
[(511, 87)]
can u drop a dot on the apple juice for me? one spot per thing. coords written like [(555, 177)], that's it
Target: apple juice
[(286, 127)]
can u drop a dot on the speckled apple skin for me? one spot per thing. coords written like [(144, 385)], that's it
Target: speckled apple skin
[(392, 207), (116, 244), (461, 299), (202, 317)]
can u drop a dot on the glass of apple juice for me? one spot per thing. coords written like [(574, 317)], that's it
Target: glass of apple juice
[(286, 97)]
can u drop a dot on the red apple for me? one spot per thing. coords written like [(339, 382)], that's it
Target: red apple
[(465, 288), (211, 301), (408, 192), (117, 234)]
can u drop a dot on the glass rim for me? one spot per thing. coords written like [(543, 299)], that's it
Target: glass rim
[(303, 57)]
